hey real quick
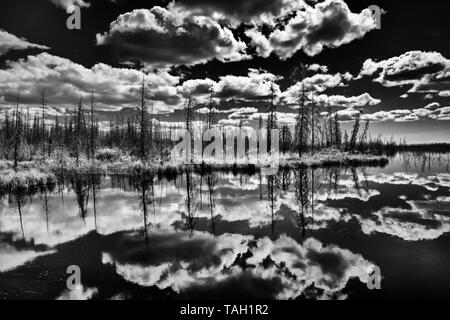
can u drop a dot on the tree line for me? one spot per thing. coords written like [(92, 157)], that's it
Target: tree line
[(24, 136)]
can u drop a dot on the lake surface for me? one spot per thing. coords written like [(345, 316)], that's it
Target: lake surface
[(304, 234)]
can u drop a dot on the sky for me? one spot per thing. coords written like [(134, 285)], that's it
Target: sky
[(398, 75)]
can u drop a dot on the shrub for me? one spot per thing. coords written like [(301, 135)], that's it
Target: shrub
[(108, 154)]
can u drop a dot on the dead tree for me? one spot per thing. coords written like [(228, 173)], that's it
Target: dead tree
[(43, 121), (210, 121), (80, 123), (330, 133), (301, 126), (363, 138), (354, 136), (286, 139), (272, 122), (143, 122), (337, 130), (17, 137), (92, 135), (314, 118)]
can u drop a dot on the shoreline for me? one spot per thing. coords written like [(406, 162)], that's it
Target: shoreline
[(38, 173)]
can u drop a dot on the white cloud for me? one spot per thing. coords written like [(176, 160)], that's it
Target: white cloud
[(318, 82), (423, 72), (327, 24), (67, 3), (65, 82), (10, 42), (235, 12), (362, 100), (209, 262), (257, 85), (167, 37), (11, 258), (259, 42)]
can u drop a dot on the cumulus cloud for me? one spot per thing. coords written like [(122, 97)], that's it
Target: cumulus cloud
[(67, 3), (294, 25), (423, 72), (362, 100), (328, 24), (66, 82), (11, 257), (259, 42), (320, 82), (284, 118), (349, 114), (79, 294), (406, 68), (166, 37), (318, 68), (236, 12), (201, 262), (413, 224), (431, 111), (257, 85), (10, 42), (195, 87)]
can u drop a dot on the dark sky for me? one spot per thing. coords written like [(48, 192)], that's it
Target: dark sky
[(406, 26)]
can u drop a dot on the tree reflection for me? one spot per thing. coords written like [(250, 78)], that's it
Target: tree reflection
[(19, 199), (191, 203), (80, 185), (301, 185), (272, 195), (94, 186), (145, 185), (212, 180)]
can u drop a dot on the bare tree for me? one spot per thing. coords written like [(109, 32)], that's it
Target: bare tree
[(43, 121), (286, 139), (354, 136), (302, 123), (92, 134), (17, 138), (143, 122), (363, 138), (79, 131), (272, 122), (210, 109), (337, 129)]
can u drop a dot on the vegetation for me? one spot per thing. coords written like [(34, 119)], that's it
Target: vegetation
[(78, 141)]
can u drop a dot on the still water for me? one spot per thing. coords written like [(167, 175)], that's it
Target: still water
[(313, 233)]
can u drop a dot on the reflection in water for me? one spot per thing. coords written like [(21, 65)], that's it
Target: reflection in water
[(211, 181), (272, 194), (306, 233), (145, 186), (301, 184), (19, 200), (80, 185), (191, 202), (193, 264)]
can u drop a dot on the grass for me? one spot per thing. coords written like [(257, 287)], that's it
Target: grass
[(24, 179), (42, 171)]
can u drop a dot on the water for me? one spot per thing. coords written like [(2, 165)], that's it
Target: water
[(305, 234)]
